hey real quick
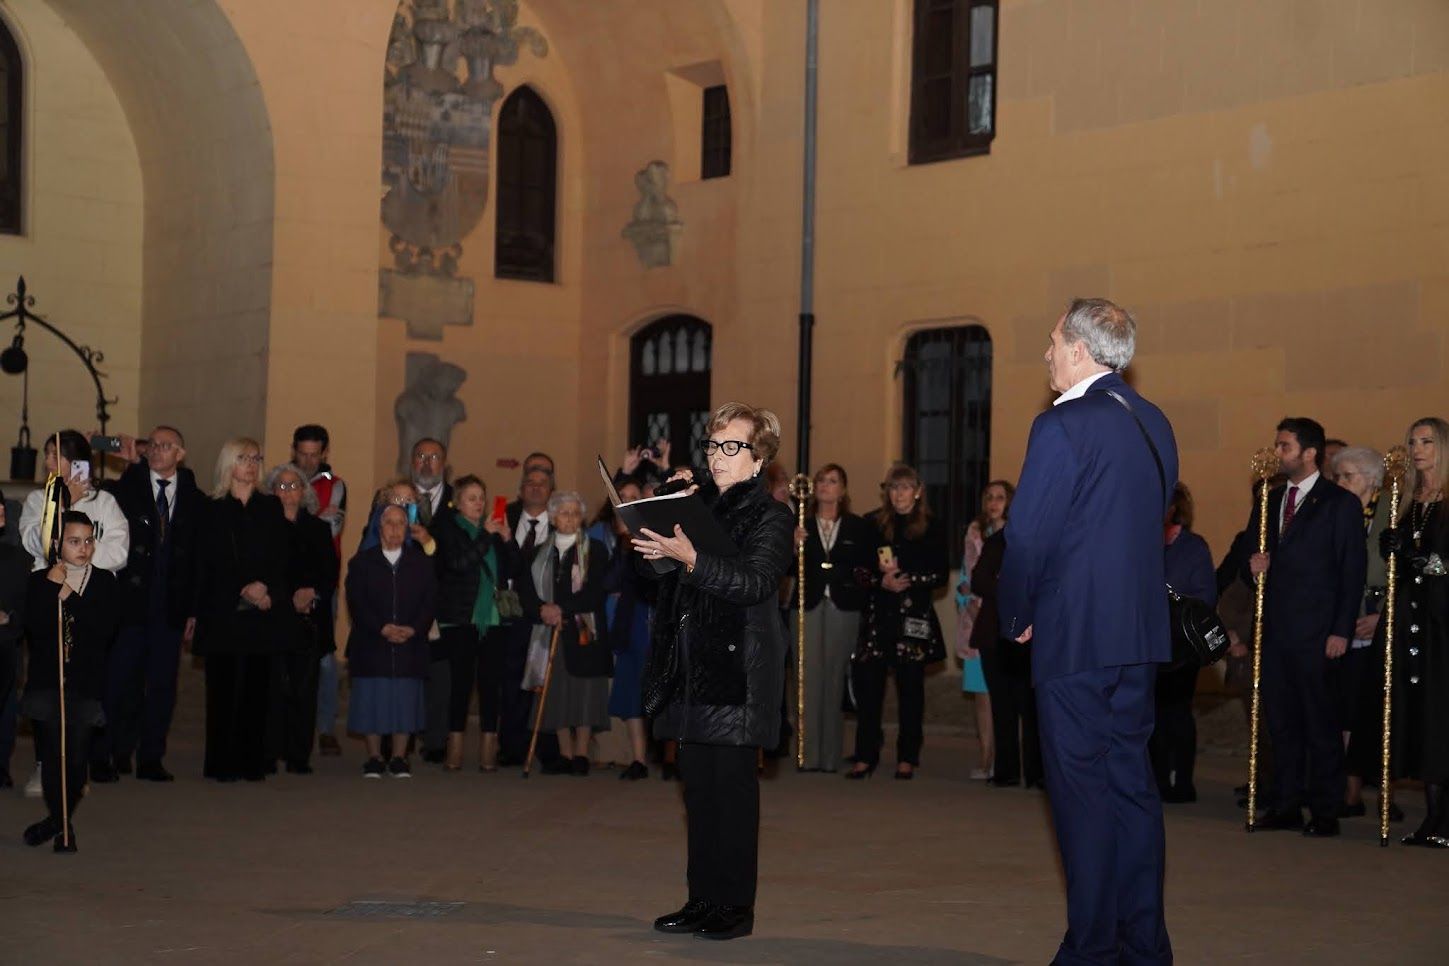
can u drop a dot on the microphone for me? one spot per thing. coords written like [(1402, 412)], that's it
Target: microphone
[(673, 486)]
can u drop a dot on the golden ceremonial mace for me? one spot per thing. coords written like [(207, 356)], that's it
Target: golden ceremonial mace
[(1265, 464), (1396, 466), (801, 488)]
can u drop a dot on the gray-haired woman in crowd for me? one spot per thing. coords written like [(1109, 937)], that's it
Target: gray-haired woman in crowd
[(312, 566), (566, 591)]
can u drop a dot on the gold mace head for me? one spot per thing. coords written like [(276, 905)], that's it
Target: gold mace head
[(1396, 464), (1265, 463), (801, 487)]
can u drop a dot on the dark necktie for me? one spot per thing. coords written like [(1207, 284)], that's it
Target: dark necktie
[(1290, 506), (425, 508), (163, 507), (530, 538)]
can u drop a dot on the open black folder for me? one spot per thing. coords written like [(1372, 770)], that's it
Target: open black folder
[(662, 513)]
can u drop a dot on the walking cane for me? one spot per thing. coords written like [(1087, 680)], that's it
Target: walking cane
[(542, 697), (800, 488), (1396, 465), (1265, 464)]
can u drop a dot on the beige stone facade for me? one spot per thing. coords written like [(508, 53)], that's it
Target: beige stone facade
[(1261, 181)]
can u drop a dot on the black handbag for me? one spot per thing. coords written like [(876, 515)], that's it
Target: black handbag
[(1198, 635)]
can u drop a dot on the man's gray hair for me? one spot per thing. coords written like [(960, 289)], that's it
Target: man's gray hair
[(309, 495), (1109, 331), (560, 497), (1369, 463)]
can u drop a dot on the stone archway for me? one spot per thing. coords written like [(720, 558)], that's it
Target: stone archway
[(202, 133)]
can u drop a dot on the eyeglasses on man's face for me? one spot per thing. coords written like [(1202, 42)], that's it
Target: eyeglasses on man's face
[(428, 458), (730, 447), (163, 446)]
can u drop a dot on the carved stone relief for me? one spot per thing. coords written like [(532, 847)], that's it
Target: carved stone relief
[(655, 229), (428, 406), (438, 95)]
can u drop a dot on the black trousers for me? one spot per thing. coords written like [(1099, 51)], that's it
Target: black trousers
[(476, 662), (292, 706), (77, 742), (140, 692), (870, 682), (1173, 747), (1307, 741), (722, 808), (1007, 668), (236, 715)]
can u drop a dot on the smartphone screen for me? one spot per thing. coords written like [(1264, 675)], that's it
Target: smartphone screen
[(412, 513), (886, 555), (500, 508), (80, 471)]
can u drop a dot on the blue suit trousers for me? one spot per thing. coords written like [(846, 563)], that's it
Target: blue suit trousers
[(1095, 727)]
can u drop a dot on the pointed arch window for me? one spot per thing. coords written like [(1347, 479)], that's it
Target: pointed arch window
[(669, 384), (527, 188), (12, 133)]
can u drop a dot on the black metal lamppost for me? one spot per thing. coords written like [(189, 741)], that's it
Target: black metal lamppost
[(15, 362)]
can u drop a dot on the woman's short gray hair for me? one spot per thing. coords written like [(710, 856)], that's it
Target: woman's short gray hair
[(1108, 330), (1368, 463), (309, 495), (556, 502)]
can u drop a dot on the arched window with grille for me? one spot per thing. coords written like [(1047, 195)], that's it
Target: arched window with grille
[(670, 361), (527, 199), (12, 133), (946, 376)]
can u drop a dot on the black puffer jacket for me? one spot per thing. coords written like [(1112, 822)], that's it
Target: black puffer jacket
[(460, 561), (716, 668)]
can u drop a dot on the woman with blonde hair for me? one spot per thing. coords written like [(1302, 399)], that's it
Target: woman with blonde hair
[(716, 672), (244, 610), (1419, 540)]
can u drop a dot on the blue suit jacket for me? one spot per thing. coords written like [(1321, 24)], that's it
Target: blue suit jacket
[(1316, 568), (1084, 552)]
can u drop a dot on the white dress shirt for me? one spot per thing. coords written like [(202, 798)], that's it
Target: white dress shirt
[(1080, 389), (1303, 489), (520, 532), (170, 492)]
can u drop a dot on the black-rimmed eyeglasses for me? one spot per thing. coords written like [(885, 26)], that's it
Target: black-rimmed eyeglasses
[(731, 447)]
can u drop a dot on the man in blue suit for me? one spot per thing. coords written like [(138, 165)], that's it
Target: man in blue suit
[(1083, 581), (1315, 567)]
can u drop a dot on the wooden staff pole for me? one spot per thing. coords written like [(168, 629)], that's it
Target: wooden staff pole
[(1265, 464)]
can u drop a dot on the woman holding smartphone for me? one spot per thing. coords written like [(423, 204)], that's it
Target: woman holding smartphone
[(73, 463), (901, 633)]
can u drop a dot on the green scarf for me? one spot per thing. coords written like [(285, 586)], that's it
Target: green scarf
[(485, 608)]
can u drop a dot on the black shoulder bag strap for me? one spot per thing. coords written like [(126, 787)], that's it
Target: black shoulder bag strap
[(1156, 457)]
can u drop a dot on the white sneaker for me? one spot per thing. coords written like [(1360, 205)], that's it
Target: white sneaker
[(33, 788)]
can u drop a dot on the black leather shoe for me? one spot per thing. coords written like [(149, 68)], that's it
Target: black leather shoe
[(907, 774), (435, 757), (581, 765), (153, 771), (104, 773), (1275, 821), (726, 922), (636, 771), (41, 832), (1321, 828), (860, 774), (669, 772), (1179, 794), (1355, 810), (65, 845), (685, 919)]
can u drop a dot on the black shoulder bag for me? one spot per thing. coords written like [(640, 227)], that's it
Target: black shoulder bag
[(1198, 635)]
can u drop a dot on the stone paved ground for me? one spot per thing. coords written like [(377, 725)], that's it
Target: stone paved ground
[(568, 870)]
